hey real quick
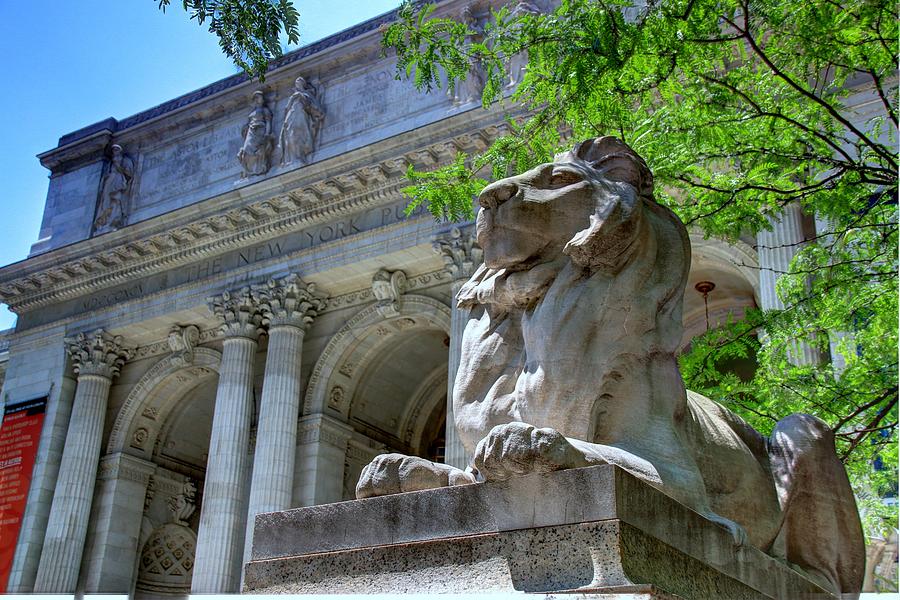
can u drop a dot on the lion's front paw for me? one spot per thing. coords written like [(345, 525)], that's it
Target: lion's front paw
[(518, 448), (396, 473)]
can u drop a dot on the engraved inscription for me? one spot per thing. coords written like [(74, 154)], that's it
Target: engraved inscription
[(189, 165), (111, 298)]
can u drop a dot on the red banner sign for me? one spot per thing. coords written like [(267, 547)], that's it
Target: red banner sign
[(19, 436)]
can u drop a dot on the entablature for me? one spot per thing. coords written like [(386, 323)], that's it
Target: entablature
[(349, 184)]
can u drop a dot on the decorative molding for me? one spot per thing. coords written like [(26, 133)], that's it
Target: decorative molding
[(164, 346), (319, 428), (212, 235), (97, 353), (364, 296), (123, 466), (363, 28)]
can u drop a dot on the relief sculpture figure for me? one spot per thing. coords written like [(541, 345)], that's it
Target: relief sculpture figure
[(302, 121), (569, 360), (258, 140), (469, 89), (114, 192), (517, 63)]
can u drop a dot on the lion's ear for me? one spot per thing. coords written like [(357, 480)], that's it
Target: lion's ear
[(617, 162)]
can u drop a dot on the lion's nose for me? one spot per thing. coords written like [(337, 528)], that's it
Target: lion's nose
[(497, 193)]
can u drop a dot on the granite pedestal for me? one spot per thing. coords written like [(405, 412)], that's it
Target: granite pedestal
[(598, 531)]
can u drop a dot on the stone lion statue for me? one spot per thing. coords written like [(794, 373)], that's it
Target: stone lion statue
[(568, 360)]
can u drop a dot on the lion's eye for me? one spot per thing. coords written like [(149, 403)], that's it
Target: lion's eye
[(561, 177)]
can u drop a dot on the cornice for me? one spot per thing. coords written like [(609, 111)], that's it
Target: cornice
[(112, 125), (50, 278)]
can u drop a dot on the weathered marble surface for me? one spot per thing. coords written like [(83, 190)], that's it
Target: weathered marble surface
[(569, 360), (597, 528)]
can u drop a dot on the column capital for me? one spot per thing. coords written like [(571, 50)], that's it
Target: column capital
[(289, 301), (239, 312), (460, 252), (97, 353)]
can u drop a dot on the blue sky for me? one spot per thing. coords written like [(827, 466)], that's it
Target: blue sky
[(70, 63)]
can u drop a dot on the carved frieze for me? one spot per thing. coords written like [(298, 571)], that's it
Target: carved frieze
[(97, 353)]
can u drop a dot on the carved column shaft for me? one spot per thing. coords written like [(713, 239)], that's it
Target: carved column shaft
[(289, 306), (96, 359), (220, 540), (776, 249), (461, 257)]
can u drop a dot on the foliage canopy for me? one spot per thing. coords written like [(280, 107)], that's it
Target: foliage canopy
[(740, 108)]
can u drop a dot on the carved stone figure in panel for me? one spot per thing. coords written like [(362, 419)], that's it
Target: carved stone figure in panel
[(302, 121), (568, 360), (256, 150), (518, 62), (114, 192), (469, 89), (387, 287)]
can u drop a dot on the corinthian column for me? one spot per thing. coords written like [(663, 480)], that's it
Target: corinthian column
[(96, 359), (461, 257), (776, 249), (220, 540), (289, 305)]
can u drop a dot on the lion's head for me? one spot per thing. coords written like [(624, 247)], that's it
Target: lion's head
[(581, 205)]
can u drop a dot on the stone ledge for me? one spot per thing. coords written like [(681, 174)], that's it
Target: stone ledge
[(593, 530)]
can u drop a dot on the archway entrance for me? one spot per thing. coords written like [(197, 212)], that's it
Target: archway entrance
[(163, 428), (384, 382)]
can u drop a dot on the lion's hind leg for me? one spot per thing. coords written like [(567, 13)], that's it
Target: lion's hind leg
[(821, 531)]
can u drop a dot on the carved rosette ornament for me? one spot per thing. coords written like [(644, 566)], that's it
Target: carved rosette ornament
[(387, 287), (239, 312), (289, 301), (97, 353), (460, 252)]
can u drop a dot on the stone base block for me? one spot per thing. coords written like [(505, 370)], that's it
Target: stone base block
[(599, 532)]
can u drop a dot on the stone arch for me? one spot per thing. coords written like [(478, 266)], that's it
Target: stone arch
[(431, 394), (153, 398), (734, 269), (333, 375)]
